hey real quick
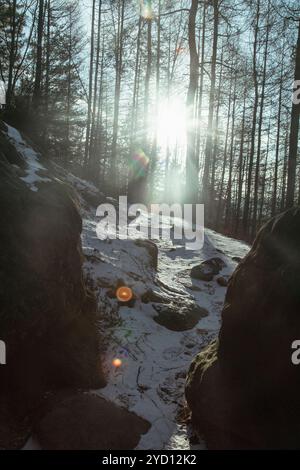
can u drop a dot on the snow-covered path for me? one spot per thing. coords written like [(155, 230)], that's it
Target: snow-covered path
[(155, 360)]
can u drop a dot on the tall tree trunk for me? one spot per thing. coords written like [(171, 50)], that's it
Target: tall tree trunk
[(219, 211), (284, 172), (260, 122), (134, 111), (253, 131), (36, 97), (92, 149), (262, 199), (157, 98), (119, 64), (294, 131), (133, 121), (69, 88), (274, 196), (201, 81), (209, 138), (147, 81), (229, 185), (12, 53), (99, 129), (240, 167), (167, 156), (90, 94), (158, 53), (47, 72), (192, 160), (216, 128)]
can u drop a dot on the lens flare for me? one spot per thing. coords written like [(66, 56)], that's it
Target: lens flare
[(180, 50), (117, 362), (124, 294), (139, 164)]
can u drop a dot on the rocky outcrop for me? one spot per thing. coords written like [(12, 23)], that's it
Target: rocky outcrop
[(47, 315), (88, 422), (206, 270), (151, 249), (244, 390), (181, 315)]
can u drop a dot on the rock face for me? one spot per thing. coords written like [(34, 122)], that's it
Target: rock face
[(206, 270), (88, 422), (47, 316), (178, 317), (243, 390), (151, 249)]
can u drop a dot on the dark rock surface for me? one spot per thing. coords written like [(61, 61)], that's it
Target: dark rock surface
[(47, 315), (152, 296), (237, 259), (151, 249), (244, 390), (223, 281), (206, 270), (88, 422), (179, 316)]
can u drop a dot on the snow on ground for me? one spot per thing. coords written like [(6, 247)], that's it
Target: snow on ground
[(155, 360), (31, 158)]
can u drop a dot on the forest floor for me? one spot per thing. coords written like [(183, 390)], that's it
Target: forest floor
[(155, 359)]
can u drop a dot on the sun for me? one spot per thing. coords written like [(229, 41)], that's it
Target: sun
[(171, 124), (146, 10)]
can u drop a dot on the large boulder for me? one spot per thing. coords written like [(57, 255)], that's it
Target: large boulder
[(182, 315), (206, 270), (88, 422), (244, 390), (47, 315)]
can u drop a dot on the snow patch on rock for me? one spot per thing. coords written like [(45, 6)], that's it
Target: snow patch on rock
[(31, 158)]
